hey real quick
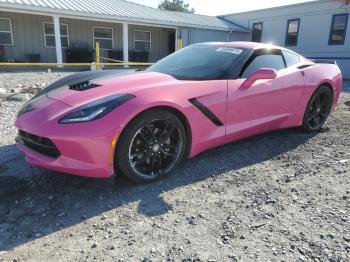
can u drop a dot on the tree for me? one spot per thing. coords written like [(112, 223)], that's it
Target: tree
[(175, 5)]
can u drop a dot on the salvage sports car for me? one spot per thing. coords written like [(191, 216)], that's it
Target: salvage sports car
[(142, 124)]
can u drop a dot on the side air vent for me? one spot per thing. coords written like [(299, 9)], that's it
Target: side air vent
[(206, 111), (304, 66), (82, 86)]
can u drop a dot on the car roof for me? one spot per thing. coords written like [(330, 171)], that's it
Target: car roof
[(249, 45)]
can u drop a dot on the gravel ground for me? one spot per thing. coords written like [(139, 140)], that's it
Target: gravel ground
[(11, 81), (281, 196)]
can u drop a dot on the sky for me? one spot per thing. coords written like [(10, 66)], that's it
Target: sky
[(220, 7)]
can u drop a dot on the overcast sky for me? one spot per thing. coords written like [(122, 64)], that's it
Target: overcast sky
[(220, 7)]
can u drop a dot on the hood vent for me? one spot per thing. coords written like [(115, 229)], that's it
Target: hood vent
[(82, 86)]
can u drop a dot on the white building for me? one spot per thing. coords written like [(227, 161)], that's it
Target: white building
[(316, 29), (67, 30), (125, 30)]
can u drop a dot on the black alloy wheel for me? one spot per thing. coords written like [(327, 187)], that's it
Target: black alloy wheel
[(151, 146), (318, 109)]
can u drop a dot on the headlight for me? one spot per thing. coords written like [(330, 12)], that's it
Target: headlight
[(96, 109)]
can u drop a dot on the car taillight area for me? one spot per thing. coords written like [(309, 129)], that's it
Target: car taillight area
[(39, 144)]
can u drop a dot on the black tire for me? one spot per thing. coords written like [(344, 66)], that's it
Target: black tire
[(318, 109), (151, 146)]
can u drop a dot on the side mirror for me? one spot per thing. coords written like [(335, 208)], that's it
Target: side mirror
[(262, 73)]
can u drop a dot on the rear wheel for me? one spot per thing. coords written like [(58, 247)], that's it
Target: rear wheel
[(318, 109), (151, 146)]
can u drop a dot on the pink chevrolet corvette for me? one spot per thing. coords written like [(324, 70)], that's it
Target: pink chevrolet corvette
[(142, 124)]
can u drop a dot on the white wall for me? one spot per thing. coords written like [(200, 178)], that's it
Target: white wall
[(194, 35), (315, 23)]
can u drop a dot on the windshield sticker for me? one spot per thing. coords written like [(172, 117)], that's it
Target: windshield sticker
[(229, 50)]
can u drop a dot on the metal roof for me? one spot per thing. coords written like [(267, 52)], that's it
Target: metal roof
[(307, 2), (120, 10)]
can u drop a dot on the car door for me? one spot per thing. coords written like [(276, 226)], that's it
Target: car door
[(268, 103)]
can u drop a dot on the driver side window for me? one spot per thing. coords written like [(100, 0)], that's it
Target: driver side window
[(264, 59)]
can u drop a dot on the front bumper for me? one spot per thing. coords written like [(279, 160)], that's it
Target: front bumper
[(81, 149), (65, 164)]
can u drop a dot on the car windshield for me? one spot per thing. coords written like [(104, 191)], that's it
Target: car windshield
[(199, 62)]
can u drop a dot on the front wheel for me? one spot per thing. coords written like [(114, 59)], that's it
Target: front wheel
[(151, 146), (318, 109)]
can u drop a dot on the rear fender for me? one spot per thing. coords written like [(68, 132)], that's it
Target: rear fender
[(318, 75)]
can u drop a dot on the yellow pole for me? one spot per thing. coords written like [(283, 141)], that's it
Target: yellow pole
[(179, 44), (97, 56)]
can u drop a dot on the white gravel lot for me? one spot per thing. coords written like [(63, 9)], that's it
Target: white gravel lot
[(281, 196), (14, 82), (10, 81)]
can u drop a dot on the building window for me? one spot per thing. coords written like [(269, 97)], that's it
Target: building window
[(6, 37), (49, 35), (338, 29), (104, 36), (292, 32), (142, 40), (257, 32)]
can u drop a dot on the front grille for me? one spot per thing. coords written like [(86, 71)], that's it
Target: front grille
[(83, 86), (39, 144)]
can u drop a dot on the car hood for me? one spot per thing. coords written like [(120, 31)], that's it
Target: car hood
[(82, 88)]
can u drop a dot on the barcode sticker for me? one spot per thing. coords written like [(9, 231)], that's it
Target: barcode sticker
[(229, 50)]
